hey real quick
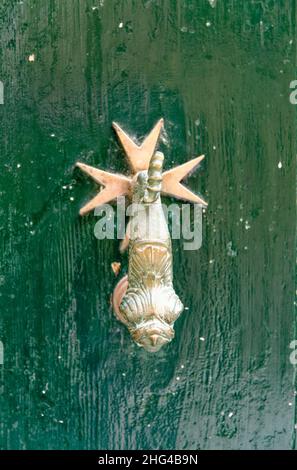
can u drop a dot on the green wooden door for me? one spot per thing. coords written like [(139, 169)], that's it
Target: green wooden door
[(219, 73)]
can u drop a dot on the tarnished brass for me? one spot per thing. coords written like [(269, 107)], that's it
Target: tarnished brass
[(145, 300)]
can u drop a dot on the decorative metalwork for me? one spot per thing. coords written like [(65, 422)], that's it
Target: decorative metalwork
[(145, 300)]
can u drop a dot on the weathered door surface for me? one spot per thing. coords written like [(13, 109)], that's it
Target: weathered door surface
[(219, 73)]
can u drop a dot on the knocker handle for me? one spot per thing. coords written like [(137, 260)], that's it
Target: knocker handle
[(145, 300)]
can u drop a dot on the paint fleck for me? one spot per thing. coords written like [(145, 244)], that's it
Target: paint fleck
[(121, 24), (279, 165), (202, 338), (31, 58), (230, 251)]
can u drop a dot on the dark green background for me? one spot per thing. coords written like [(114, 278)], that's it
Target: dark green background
[(220, 77)]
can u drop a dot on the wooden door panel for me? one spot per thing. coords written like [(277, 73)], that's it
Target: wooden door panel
[(219, 74)]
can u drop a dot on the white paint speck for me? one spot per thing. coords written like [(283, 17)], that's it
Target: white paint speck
[(31, 58), (202, 338), (295, 427), (279, 165), (208, 24), (214, 147), (230, 414), (290, 403), (64, 187), (230, 251), (61, 421), (211, 261), (182, 366), (53, 135), (186, 308), (177, 378), (71, 198), (124, 374), (121, 24), (19, 165)]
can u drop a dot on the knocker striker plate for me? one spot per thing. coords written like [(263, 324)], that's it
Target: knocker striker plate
[(145, 300)]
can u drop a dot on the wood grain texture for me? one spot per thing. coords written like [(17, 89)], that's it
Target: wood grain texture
[(72, 378)]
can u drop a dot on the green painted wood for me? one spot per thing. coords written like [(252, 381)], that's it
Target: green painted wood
[(219, 73)]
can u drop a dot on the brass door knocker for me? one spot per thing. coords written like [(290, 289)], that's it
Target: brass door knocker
[(145, 300)]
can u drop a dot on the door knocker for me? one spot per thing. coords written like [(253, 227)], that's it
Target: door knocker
[(145, 300)]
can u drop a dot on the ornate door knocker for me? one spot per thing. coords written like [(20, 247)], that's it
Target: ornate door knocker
[(145, 300)]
